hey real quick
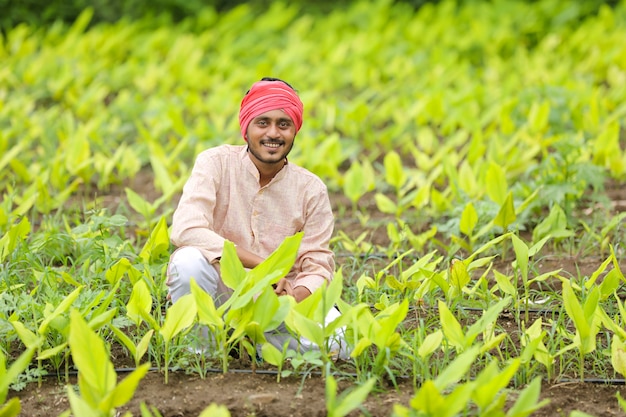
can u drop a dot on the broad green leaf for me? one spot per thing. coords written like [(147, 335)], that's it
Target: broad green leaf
[(61, 308), (231, 269), (16, 233), (125, 390), (142, 346), (11, 408), (521, 256), (488, 318), (538, 116), (430, 344), (506, 215), (138, 204), (394, 171), (527, 402), (354, 398), (469, 218), (618, 355), (468, 182), (179, 316), (126, 341), (458, 277), (90, 357), (52, 352), (451, 327), (215, 410), (271, 354), (140, 302), (456, 370), (207, 313), (8, 376), (496, 183), (30, 339), (385, 204), (491, 381), (158, 244), (353, 186), (79, 406)]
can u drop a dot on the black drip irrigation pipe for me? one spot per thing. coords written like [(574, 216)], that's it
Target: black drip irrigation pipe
[(617, 381), (598, 381), (207, 370)]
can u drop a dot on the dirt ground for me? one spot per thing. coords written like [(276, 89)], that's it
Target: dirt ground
[(259, 394), (246, 394)]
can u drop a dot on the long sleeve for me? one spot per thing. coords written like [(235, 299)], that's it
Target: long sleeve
[(315, 262), (193, 221)]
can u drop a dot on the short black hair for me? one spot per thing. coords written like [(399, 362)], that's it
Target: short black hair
[(276, 79)]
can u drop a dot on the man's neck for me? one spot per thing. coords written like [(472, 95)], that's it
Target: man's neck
[(267, 171)]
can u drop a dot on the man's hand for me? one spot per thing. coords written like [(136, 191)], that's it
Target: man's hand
[(283, 287)]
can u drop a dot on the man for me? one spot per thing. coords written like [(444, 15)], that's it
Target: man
[(252, 196)]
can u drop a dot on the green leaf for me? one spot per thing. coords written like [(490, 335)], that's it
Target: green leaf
[(158, 244), (215, 410), (385, 204), (207, 313), (491, 381), (352, 400), (526, 402), (430, 344), (394, 171), (139, 204), (451, 327), (140, 302), (521, 256), (30, 339), (469, 218), (618, 355), (353, 186), (271, 354), (496, 183), (125, 390), (457, 369), (91, 358), (12, 408), (178, 317), (8, 376), (52, 352), (506, 215), (61, 308), (79, 406)]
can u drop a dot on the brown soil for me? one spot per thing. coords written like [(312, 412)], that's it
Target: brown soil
[(249, 394)]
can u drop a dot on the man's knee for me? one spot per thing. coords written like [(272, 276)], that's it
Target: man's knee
[(187, 263)]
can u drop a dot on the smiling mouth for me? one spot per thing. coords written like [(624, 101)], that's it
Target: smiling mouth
[(273, 145)]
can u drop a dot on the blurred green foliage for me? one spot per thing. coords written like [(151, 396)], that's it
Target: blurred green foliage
[(43, 12)]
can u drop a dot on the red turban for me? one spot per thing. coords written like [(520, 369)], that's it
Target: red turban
[(265, 96)]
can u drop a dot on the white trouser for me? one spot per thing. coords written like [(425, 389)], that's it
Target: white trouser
[(188, 262)]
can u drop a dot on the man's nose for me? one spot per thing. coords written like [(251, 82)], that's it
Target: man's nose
[(274, 132)]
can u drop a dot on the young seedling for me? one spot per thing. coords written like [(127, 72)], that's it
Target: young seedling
[(348, 400), (587, 319), (100, 394), (180, 316), (12, 408)]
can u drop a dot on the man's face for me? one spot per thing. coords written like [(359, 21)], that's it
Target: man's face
[(270, 137)]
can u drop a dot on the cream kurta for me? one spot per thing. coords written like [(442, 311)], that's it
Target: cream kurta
[(223, 200)]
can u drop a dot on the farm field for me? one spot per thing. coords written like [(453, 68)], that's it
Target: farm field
[(245, 393), (475, 155)]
